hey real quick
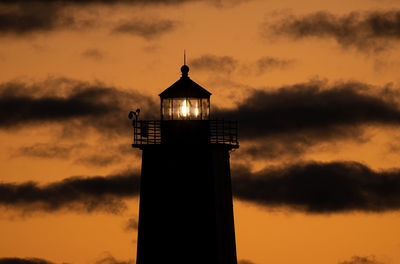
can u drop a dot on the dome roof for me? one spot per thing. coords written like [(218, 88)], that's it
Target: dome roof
[(185, 87)]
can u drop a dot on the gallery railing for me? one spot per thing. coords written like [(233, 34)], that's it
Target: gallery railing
[(221, 132)]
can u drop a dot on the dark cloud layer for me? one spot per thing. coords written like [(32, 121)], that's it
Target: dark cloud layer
[(365, 31), (24, 261), (76, 193), (110, 2), (44, 150), (109, 259), (288, 119), (321, 187), (146, 29), (99, 160), (75, 105), (229, 64), (309, 187), (93, 54), (23, 17), (268, 63), (131, 224), (313, 108), (217, 64), (32, 17), (243, 261), (361, 260), (112, 260)]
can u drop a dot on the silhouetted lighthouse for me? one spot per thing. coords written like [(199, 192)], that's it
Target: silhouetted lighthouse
[(186, 212)]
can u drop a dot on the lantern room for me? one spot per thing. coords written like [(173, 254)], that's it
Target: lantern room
[(185, 100), (185, 119)]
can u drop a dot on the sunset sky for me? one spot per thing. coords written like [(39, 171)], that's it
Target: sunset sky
[(314, 85)]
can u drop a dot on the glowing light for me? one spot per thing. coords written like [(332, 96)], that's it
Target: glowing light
[(196, 112), (184, 109)]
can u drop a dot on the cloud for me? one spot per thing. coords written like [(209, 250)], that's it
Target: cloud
[(81, 194), (131, 224), (228, 64), (75, 105), (317, 187), (93, 54), (24, 261), (101, 154), (23, 17), (311, 187), (27, 17), (289, 119), (294, 145), (47, 150), (218, 64), (268, 63), (361, 260), (146, 29), (244, 261), (99, 160), (313, 111), (104, 2), (366, 31), (109, 259)]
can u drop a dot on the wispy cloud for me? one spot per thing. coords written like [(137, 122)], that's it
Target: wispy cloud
[(22, 18), (243, 261), (81, 194), (24, 261), (147, 29), (229, 64), (109, 259), (366, 31), (99, 160), (317, 187), (72, 104), (310, 113), (267, 63), (362, 260), (131, 224), (48, 150), (218, 64), (311, 187), (25, 18), (93, 54)]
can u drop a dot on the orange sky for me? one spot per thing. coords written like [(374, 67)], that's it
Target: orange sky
[(148, 63)]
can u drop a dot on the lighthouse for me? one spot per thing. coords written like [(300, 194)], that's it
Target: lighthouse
[(185, 208)]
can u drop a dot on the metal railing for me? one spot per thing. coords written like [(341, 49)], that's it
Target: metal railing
[(148, 132), (224, 132)]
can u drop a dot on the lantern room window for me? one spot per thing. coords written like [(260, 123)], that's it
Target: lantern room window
[(185, 109), (185, 100)]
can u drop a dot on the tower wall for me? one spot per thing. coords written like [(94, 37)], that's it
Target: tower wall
[(186, 211)]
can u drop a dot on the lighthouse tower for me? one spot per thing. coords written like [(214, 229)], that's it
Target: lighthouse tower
[(185, 211)]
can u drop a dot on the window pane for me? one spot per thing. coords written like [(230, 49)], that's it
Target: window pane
[(186, 109), (166, 109), (195, 110), (205, 105), (180, 108)]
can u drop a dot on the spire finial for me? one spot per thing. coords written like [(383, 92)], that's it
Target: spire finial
[(184, 68)]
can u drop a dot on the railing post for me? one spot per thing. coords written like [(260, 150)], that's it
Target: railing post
[(134, 131), (223, 131), (236, 131)]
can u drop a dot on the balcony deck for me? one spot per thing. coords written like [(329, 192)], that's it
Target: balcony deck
[(211, 132)]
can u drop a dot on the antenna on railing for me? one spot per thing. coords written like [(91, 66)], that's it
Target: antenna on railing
[(136, 114)]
